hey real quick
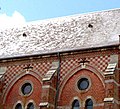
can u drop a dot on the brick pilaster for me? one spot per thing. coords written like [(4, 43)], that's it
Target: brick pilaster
[(111, 83), (49, 88)]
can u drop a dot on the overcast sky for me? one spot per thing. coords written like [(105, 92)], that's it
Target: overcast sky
[(21, 11)]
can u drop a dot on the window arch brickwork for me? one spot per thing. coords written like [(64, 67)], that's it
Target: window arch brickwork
[(70, 90)]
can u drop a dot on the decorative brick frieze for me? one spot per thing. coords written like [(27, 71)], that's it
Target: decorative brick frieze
[(99, 62), (41, 66)]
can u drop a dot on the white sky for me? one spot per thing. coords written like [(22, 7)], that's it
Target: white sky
[(10, 21)]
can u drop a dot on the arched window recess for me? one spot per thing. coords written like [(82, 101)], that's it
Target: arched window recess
[(75, 104), (89, 104), (30, 106)]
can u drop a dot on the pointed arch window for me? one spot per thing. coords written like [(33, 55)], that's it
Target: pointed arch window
[(18, 106), (30, 106), (75, 104), (89, 104)]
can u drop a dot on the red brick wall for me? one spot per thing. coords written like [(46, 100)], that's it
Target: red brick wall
[(70, 90), (98, 60), (14, 94)]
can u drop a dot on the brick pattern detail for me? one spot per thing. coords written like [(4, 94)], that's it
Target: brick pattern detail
[(15, 70), (100, 62)]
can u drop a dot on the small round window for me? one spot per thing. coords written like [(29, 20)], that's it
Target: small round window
[(83, 84), (26, 88)]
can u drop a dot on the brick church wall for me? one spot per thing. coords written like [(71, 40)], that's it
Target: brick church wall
[(99, 60)]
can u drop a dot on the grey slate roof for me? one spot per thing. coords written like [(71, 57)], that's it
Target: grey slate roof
[(61, 34)]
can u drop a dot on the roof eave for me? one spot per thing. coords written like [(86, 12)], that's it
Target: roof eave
[(83, 50)]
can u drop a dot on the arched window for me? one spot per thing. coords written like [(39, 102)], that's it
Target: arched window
[(30, 106), (89, 104), (18, 106), (75, 104)]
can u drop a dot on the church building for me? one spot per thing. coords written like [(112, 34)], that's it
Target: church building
[(70, 62)]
